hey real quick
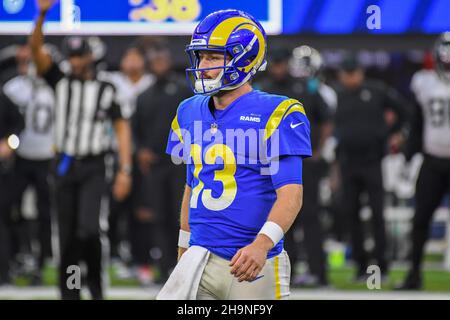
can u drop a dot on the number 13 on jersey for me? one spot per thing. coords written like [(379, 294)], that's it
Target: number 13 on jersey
[(226, 176)]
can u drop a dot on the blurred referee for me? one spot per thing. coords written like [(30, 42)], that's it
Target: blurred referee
[(86, 109)]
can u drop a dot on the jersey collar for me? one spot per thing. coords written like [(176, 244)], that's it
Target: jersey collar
[(208, 106)]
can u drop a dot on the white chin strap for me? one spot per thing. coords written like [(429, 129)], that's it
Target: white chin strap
[(211, 86), (207, 86)]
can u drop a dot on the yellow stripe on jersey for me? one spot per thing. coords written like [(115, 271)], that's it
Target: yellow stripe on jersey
[(221, 33), (281, 112), (295, 108), (276, 268), (176, 128)]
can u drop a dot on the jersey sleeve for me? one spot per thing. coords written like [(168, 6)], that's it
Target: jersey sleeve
[(420, 83), (415, 82), (176, 142), (14, 122), (116, 110), (287, 131), (189, 175), (289, 171), (53, 75)]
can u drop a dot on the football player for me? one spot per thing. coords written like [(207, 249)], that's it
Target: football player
[(244, 151), (430, 134)]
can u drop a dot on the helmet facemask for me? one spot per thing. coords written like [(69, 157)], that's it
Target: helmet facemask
[(227, 76)]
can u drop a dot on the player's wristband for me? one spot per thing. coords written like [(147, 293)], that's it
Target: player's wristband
[(13, 142), (127, 169), (183, 239), (273, 231)]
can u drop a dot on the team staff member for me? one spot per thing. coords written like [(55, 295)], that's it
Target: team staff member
[(319, 115), (363, 135), (11, 124), (86, 108), (130, 81), (160, 186)]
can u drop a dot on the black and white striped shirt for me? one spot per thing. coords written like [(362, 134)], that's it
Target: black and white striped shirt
[(85, 110)]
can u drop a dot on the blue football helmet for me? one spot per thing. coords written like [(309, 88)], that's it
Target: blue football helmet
[(233, 33)]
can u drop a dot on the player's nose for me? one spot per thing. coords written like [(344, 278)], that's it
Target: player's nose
[(204, 74)]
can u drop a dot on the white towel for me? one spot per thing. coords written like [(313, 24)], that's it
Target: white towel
[(184, 281)]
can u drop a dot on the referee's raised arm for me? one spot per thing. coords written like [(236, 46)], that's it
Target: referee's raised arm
[(41, 58)]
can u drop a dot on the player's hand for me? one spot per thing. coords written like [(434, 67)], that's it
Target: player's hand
[(248, 262), (45, 5), (145, 158), (181, 251), (122, 186), (5, 151), (395, 142)]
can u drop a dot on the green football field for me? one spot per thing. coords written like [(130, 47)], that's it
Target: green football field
[(434, 280), (437, 286), (340, 279)]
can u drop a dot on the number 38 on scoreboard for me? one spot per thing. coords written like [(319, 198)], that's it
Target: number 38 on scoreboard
[(162, 10)]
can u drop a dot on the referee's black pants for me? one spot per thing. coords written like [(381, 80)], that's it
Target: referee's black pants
[(356, 179), (81, 213), (432, 184)]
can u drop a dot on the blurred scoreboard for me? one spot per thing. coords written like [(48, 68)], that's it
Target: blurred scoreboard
[(351, 16), (175, 17), (179, 17)]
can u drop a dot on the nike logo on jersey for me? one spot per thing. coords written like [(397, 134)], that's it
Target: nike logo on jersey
[(293, 126)]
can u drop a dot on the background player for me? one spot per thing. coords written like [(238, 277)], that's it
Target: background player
[(430, 132)]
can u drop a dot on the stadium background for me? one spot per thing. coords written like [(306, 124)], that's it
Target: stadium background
[(392, 54)]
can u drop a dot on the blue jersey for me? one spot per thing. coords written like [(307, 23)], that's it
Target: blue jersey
[(230, 157)]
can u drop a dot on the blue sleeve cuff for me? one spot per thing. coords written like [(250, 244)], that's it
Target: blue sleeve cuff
[(289, 171)]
